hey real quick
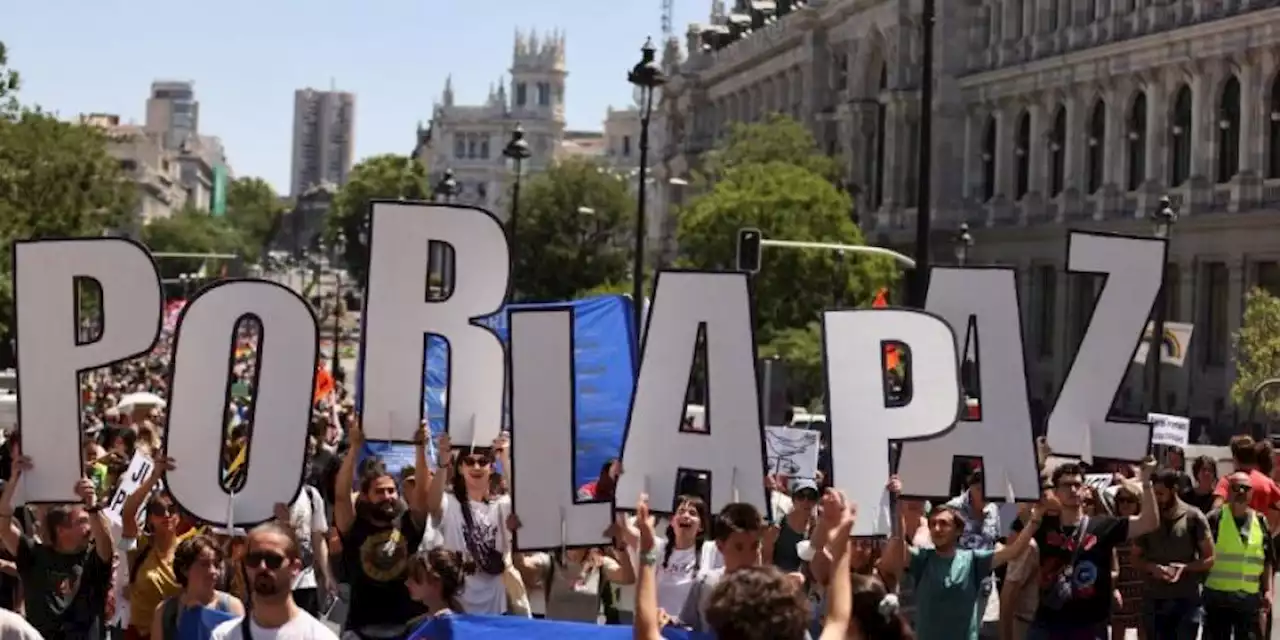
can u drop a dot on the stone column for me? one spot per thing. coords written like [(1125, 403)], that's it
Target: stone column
[(1037, 153), (1157, 137), (1254, 104), (1204, 123), (895, 167), (1006, 120), (1076, 144), (972, 149), (1113, 160), (1236, 287)]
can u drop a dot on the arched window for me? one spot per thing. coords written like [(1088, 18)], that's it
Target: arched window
[(989, 159), (1095, 156), (1058, 152), (877, 178), (1136, 142), (1180, 137), (1273, 131), (1229, 130), (1022, 159)]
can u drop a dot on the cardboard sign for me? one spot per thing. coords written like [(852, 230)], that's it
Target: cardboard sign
[(792, 452), (1167, 430), (139, 469)]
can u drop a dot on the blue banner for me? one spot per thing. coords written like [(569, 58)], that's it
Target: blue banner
[(603, 363), (506, 627)]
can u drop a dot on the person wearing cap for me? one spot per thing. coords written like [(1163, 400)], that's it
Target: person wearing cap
[(781, 538)]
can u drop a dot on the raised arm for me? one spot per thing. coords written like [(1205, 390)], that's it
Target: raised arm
[(10, 534), (1021, 543), (435, 493), (344, 505), (840, 591), (1149, 518), (133, 503), (420, 497), (647, 625), (100, 528)]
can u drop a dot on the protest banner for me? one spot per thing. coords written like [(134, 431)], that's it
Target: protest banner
[(1169, 431), (139, 468), (691, 310), (792, 452)]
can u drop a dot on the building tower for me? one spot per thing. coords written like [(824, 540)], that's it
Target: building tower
[(323, 138), (538, 77), (173, 112)]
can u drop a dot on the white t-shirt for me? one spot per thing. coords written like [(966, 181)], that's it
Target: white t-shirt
[(675, 579), (15, 627), (306, 519), (302, 627), (484, 594), (710, 559)]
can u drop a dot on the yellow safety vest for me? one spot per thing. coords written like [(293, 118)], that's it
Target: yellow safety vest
[(1237, 565)]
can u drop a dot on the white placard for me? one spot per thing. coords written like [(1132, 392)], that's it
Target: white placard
[(792, 452), (687, 304), (50, 355), (283, 384), (1167, 430), (862, 423), (397, 320), (1099, 481), (981, 306), (542, 404), (139, 469), (1079, 424)]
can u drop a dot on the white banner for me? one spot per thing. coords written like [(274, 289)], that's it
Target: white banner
[(1177, 338), (1171, 431), (139, 468)]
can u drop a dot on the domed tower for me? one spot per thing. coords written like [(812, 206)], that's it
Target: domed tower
[(538, 77)]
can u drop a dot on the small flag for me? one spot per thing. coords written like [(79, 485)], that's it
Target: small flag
[(890, 351), (324, 384)]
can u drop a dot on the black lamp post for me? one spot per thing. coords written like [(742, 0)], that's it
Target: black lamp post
[(963, 243), (647, 76), (447, 189), (924, 166), (518, 151), (1163, 220), (339, 308)]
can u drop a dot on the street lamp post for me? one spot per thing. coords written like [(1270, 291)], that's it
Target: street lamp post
[(963, 243), (647, 76), (1163, 220), (924, 168), (447, 189), (518, 151)]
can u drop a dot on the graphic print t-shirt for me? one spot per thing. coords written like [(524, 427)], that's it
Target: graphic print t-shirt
[(1089, 577), (66, 593), (675, 578), (483, 593), (376, 560)]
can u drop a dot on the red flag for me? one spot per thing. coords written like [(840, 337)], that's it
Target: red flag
[(890, 352), (324, 384)]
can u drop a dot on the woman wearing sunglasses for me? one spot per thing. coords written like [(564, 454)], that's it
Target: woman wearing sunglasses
[(151, 575)]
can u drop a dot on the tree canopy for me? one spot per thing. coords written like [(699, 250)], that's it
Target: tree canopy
[(254, 210), (1257, 351), (572, 233), (190, 231), (779, 138), (388, 176)]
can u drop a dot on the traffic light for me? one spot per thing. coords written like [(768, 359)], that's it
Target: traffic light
[(749, 250)]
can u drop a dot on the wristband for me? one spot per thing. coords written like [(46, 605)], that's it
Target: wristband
[(648, 558)]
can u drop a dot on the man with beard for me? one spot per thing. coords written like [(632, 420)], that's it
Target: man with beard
[(272, 561), (379, 536), (1173, 560)]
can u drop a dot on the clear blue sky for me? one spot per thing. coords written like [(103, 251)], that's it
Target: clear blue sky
[(247, 57)]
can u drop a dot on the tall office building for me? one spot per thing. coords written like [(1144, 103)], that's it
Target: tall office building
[(323, 138), (173, 112)]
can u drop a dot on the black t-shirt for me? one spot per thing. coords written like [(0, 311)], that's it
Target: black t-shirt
[(1201, 501), (66, 593), (1089, 599), (376, 561)]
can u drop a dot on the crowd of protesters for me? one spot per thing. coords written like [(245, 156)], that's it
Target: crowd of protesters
[(1152, 548)]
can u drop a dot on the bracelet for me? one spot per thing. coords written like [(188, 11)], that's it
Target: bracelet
[(648, 558)]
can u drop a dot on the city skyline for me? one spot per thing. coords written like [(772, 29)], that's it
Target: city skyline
[(395, 63)]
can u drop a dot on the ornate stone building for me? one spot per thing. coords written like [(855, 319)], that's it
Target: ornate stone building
[(1048, 115), (470, 138)]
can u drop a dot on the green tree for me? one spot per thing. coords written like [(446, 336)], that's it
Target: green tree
[(190, 231), (9, 83), (789, 202), (801, 349), (254, 210), (572, 233), (779, 138), (1257, 351), (388, 176)]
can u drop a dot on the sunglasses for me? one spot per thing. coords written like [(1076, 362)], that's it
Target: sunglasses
[(255, 559), (1241, 488), (162, 510), (475, 461)]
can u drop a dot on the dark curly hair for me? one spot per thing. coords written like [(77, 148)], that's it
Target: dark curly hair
[(758, 603), (449, 569), (188, 553), (876, 617)]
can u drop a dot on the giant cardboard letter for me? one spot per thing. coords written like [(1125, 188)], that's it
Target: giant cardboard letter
[(732, 449), (1079, 425), (51, 356), (283, 387), (981, 305), (863, 422), (398, 319), (542, 405)]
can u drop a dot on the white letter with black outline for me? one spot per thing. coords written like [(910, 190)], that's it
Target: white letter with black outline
[(863, 421), (51, 355), (981, 306), (398, 319), (542, 468), (732, 450), (283, 390), (1133, 268)]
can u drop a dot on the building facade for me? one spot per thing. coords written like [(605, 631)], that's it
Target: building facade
[(173, 113), (1048, 115), (469, 139), (323, 139), (144, 159)]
